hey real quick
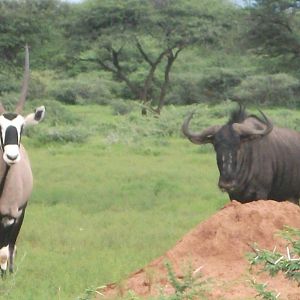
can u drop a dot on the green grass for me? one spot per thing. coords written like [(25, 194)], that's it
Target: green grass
[(97, 204), (104, 208)]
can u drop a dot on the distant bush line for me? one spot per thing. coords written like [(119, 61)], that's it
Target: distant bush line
[(215, 86)]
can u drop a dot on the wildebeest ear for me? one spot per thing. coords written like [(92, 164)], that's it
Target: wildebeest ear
[(252, 128), (36, 117)]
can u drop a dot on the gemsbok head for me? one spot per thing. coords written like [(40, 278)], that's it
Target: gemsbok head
[(15, 172)]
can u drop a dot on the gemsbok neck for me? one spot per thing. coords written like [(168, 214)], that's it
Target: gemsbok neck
[(3, 179)]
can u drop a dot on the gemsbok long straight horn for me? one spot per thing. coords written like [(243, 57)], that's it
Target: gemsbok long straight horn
[(24, 91), (15, 172)]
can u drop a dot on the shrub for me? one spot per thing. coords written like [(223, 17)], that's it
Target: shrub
[(218, 82), (185, 89), (70, 91), (59, 124), (212, 86), (56, 113), (189, 287), (84, 90), (277, 89), (62, 135), (133, 128), (121, 107), (9, 100), (274, 262), (9, 83), (40, 81)]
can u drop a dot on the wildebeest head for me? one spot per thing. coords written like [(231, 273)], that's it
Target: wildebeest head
[(227, 140)]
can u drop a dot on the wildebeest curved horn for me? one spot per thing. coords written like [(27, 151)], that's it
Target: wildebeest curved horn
[(247, 130), (203, 137), (21, 102)]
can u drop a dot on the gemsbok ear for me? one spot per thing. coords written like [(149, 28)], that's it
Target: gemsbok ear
[(36, 117)]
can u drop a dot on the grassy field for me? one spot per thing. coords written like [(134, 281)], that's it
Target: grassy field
[(107, 206), (96, 204)]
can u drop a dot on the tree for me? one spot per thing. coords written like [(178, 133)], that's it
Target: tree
[(35, 22), (138, 41), (274, 28)]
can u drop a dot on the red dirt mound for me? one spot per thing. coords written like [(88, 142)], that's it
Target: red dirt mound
[(218, 246)]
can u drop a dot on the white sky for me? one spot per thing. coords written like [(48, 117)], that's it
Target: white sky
[(240, 2)]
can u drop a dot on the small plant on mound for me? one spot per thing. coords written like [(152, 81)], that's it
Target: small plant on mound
[(90, 293), (274, 262), (262, 291), (187, 287)]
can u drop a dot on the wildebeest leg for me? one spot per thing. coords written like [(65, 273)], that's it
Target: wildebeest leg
[(12, 240)]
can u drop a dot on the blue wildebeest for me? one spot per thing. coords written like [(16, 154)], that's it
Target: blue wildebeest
[(15, 172), (256, 160)]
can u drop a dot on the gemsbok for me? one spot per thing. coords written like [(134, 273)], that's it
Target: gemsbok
[(15, 172)]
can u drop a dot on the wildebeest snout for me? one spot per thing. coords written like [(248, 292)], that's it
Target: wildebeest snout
[(227, 186)]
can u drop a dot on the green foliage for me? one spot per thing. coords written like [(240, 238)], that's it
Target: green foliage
[(36, 22), (131, 296), (121, 107), (83, 90), (133, 128), (262, 291), (189, 287), (186, 89), (90, 293), (8, 83), (273, 29), (70, 91), (56, 113), (217, 84), (274, 262), (201, 76), (292, 235), (62, 135), (139, 41), (40, 81), (59, 126), (9, 100), (278, 89)]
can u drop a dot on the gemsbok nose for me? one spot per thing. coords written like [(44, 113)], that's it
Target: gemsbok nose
[(12, 157)]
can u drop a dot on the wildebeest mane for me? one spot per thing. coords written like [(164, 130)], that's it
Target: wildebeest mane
[(238, 115)]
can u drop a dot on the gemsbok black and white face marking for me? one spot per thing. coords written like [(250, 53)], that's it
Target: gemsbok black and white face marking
[(11, 128)]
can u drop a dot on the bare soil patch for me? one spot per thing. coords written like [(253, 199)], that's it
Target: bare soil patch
[(219, 246)]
